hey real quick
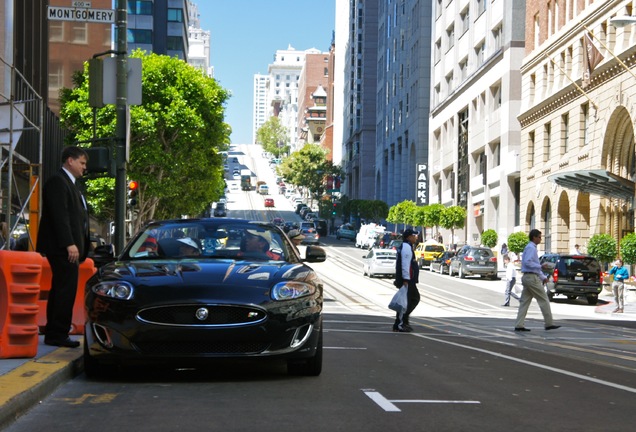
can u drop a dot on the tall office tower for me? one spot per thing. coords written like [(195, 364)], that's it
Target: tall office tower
[(198, 41), (474, 132), (282, 97), (359, 113), (259, 114), (340, 55), (403, 101), (577, 121), (159, 26)]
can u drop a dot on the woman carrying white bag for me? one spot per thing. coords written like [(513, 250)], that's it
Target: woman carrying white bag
[(406, 277)]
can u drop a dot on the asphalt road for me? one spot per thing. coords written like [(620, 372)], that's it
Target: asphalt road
[(462, 369)]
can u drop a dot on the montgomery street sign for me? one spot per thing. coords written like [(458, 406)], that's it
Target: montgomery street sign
[(80, 14)]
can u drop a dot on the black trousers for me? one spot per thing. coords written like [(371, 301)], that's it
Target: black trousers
[(59, 307), (413, 297)]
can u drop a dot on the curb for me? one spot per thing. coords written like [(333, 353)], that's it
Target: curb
[(26, 385)]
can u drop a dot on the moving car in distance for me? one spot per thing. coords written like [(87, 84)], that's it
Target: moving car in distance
[(346, 231), (311, 236), (220, 210), (269, 202), (379, 262), (427, 251), (205, 289)]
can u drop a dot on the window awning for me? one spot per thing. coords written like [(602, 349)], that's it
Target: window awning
[(596, 182)]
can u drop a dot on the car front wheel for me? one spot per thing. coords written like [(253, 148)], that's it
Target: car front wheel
[(592, 299), (461, 273), (307, 367)]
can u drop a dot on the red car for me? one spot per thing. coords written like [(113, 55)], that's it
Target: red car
[(269, 202)]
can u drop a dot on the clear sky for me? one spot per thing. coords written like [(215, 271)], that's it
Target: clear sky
[(245, 35)]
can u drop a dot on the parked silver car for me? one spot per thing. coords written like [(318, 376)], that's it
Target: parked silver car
[(472, 260)]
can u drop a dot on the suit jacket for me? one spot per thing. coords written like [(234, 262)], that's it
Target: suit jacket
[(64, 219)]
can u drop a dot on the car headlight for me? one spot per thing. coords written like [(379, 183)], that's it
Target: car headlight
[(291, 290), (115, 289)]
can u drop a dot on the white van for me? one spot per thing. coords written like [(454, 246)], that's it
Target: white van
[(263, 189)]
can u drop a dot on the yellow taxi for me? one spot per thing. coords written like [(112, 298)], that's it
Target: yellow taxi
[(428, 251)]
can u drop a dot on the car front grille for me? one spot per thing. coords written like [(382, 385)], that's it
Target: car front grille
[(202, 315), (201, 347)]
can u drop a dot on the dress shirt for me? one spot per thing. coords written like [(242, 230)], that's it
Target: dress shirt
[(620, 273), (530, 261)]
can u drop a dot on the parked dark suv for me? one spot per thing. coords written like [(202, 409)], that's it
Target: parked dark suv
[(573, 276), (473, 260)]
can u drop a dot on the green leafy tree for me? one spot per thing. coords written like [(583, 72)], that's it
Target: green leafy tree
[(402, 212), (309, 168), (517, 242), (602, 247), (176, 136), (434, 215), (628, 248), (489, 238), (274, 137), (421, 218), (453, 218)]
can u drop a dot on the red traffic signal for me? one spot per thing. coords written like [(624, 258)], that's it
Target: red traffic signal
[(133, 187)]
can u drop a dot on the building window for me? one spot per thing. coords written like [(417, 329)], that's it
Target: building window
[(174, 43), (481, 6), (585, 121), (56, 31), (480, 53), (496, 154), (463, 69), (495, 92), (450, 37), (531, 149), (79, 32), (464, 17), (175, 15), (139, 36), (547, 137), (565, 132), (438, 51), (438, 9), (136, 7), (497, 36)]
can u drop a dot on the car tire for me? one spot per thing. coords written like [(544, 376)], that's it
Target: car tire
[(461, 272), (307, 367), (93, 368), (592, 299), (450, 271), (441, 269)]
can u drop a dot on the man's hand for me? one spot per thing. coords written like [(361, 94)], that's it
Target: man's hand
[(73, 253)]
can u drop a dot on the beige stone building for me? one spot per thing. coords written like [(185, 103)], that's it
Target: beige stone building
[(577, 138)]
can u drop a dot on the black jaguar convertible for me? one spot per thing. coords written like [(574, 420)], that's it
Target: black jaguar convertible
[(194, 290)]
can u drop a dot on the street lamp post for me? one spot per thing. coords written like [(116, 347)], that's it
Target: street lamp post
[(121, 129)]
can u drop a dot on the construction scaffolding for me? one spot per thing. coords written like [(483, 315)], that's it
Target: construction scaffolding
[(21, 113)]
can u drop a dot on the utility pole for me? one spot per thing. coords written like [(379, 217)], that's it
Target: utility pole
[(121, 130)]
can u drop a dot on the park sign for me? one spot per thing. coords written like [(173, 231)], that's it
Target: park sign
[(83, 14)]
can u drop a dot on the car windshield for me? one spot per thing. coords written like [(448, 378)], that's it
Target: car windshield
[(210, 238)]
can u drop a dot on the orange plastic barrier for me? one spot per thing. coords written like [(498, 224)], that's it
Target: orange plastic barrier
[(86, 270), (19, 287)]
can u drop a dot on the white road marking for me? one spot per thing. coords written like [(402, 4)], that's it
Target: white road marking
[(389, 405)]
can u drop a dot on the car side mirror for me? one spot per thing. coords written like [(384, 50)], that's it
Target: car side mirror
[(315, 254), (103, 254)]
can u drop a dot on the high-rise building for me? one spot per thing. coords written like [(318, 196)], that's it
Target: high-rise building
[(359, 105), (260, 113), (198, 42), (282, 97), (577, 121), (159, 26), (403, 100), (474, 140)]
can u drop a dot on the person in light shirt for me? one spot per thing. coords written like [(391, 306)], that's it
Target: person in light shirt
[(533, 280), (618, 285)]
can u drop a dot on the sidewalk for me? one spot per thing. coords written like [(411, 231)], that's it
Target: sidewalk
[(26, 381)]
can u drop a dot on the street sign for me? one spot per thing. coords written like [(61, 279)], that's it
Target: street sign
[(55, 13), (81, 4)]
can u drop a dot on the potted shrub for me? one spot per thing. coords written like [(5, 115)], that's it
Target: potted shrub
[(489, 238)]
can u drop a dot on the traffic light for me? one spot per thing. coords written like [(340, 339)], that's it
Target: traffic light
[(133, 190), (335, 209)]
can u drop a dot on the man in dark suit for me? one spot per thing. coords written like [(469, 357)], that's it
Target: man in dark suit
[(63, 237)]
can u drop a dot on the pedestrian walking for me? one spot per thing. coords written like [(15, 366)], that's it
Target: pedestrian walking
[(63, 237), (533, 281), (407, 271), (511, 280), (618, 285)]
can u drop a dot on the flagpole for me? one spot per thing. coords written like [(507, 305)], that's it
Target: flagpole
[(573, 82), (610, 51)]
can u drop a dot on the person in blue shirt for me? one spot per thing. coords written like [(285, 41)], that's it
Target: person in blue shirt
[(533, 280), (618, 286)]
